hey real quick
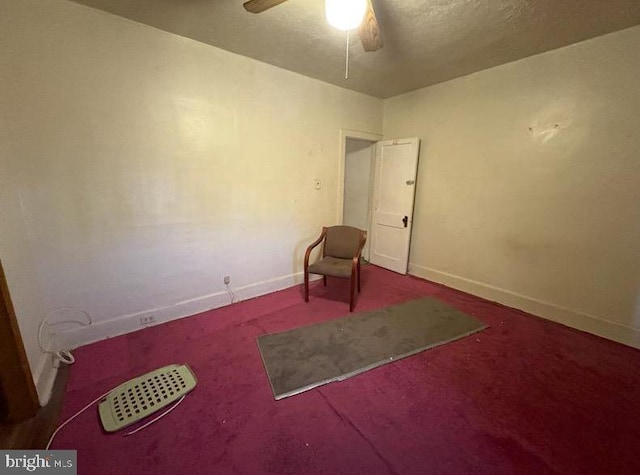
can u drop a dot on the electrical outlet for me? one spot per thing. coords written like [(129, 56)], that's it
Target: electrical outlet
[(227, 280), (148, 320)]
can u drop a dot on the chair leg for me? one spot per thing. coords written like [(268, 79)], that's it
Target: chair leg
[(306, 285), (353, 291), (324, 280), (358, 275)]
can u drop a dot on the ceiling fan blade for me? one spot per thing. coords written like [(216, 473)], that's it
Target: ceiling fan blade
[(369, 30), (257, 6)]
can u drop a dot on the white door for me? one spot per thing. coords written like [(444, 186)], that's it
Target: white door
[(393, 193)]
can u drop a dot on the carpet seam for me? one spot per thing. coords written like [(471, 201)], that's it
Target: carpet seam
[(359, 432)]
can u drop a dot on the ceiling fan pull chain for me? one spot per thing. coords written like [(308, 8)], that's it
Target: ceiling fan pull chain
[(346, 64)]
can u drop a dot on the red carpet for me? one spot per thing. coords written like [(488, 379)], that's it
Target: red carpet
[(525, 396)]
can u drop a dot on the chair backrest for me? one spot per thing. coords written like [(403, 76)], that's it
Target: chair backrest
[(343, 241)]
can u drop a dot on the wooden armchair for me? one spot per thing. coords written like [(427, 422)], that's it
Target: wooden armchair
[(340, 257)]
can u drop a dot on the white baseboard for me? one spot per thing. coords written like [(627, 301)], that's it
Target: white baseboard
[(44, 378), (589, 323), (104, 329)]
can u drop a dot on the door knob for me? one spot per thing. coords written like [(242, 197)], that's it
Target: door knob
[(405, 220)]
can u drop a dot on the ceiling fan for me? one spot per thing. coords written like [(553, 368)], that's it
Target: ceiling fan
[(368, 30)]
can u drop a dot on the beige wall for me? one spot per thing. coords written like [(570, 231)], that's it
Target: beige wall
[(148, 166), (529, 183)]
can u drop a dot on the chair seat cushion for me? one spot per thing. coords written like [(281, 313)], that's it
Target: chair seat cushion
[(332, 266)]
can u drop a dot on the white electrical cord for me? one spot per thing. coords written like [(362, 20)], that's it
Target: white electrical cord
[(62, 355), (73, 417), (230, 292), (157, 418), (105, 395)]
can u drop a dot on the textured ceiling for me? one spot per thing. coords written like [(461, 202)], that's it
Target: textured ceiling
[(425, 42)]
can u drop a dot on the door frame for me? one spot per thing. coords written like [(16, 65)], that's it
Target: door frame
[(20, 399), (342, 161)]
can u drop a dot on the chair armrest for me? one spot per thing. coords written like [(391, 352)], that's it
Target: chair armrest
[(312, 245), (356, 258)]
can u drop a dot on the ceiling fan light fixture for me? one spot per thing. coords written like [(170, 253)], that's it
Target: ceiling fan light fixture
[(345, 14)]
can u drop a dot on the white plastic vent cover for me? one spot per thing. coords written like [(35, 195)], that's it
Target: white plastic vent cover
[(142, 396)]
